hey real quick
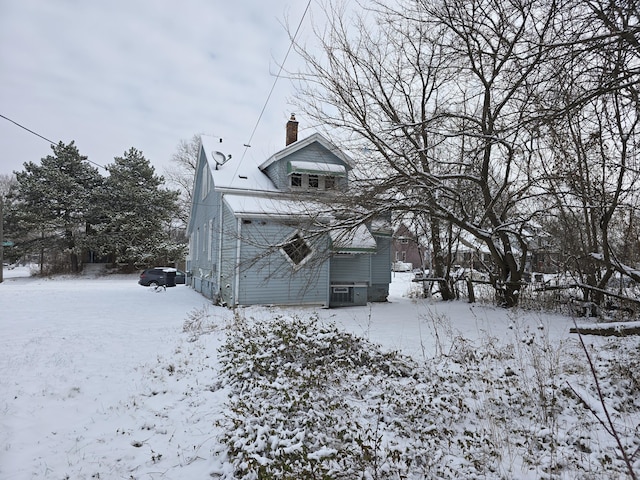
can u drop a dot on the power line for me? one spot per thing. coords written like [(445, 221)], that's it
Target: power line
[(28, 130), (264, 107), (43, 137)]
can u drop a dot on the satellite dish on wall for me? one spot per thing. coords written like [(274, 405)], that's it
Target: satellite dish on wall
[(220, 158)]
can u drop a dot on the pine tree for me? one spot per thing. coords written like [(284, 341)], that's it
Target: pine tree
[(133, 211), (52, 203)]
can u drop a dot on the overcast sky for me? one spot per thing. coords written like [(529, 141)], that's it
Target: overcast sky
[(116, 74)]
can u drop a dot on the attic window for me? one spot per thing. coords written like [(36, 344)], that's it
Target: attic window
[(297, 249), (314, 181), (296, 180), (310, 181), (329, 182)]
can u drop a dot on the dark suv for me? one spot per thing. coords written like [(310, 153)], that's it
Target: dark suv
[(153, 277)]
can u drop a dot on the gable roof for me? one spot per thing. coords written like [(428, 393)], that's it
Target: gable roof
[(233, 174), (305, 142)]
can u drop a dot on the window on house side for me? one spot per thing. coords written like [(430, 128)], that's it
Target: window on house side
[(296, 180), (297, 249), (329, 183), (314, 181), (205, 185), (210, 240)]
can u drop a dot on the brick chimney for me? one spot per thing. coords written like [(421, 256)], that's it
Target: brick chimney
[(292, 130)]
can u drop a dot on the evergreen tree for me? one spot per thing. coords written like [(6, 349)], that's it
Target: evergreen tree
[(52, 201), (133, 212)]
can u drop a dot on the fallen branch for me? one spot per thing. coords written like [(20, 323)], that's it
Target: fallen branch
[(608, 330)]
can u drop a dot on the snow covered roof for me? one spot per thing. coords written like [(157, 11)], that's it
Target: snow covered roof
[(468, 242), (230, 173), (381, 226), (352, 240), (319, 168), (269, 206), (357, 239)]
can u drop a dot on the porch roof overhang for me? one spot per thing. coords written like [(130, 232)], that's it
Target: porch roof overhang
[(353, 240), (247, 205), (316, 168)]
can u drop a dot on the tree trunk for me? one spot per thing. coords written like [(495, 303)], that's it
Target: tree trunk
[(439, 262)]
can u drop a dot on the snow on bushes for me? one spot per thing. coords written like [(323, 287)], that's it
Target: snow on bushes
[(311, 401)]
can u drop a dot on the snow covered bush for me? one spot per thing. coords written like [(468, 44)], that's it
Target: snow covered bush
[(311, 401), (301, 392)]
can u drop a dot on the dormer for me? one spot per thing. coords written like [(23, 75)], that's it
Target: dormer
[(311, 165), (315, 176)]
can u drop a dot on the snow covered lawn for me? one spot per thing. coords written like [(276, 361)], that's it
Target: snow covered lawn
[(102, 378)]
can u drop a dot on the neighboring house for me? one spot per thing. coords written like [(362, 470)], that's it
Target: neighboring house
[(541, 257), (469, 252), (251, 231), (408, 249)]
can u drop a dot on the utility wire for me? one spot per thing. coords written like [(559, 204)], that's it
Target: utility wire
[(44, 138), (264, 107)]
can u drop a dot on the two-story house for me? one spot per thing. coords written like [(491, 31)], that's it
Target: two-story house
[(258, 233)]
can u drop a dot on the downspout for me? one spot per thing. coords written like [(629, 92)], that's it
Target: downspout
[(236, 290), (220, 236), (328, 304)]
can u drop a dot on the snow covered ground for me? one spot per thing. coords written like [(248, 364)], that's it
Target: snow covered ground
[(102, 378)]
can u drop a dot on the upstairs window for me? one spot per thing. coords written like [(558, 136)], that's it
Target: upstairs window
[(329, 183), (206, 182), (305, 181), (296, 180), (297, 249), (315, 176)]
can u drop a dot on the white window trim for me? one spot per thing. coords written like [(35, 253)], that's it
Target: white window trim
[(305, 183), (306, 259)]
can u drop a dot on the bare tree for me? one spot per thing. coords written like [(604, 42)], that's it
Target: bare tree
[(182, 173), (436, 100), (590, 160), (6, 183)]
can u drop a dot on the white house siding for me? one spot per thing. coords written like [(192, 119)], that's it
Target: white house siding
[(271, 278), (380, 269), (350, 273), (314, 153), (350, 268), (229, 248), (278, 172), (204, 226)]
